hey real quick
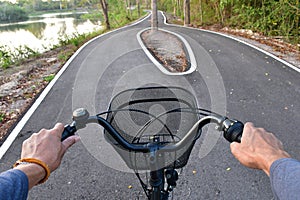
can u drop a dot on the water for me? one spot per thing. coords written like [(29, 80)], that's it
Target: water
[(41, 33)]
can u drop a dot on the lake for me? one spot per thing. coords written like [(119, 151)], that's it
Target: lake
[(41, 33)]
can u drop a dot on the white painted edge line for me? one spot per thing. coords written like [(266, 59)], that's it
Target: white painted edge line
[(15, 132), (238, 40), (193, 62)]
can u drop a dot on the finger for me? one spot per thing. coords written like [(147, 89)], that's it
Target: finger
[(67, 143), (249, 125), (58, 129), (233, 147)]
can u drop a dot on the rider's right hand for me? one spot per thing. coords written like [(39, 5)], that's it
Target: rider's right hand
[(47, 147), (258, 148)]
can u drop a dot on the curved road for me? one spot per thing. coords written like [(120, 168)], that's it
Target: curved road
[(231, 77)]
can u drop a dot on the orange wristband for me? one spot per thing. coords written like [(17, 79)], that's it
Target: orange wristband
[(36, 161)]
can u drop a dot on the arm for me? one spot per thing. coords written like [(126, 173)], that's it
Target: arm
[(47, 147), (258, 148), (285, 178), (13, 185)]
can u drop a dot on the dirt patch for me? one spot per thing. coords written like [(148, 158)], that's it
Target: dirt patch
[(21, 85), (275, 45), (167, 48)]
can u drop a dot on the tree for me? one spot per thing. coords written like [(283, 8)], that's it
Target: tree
[(138, 4), (12, 13), (154, 21), (104, 6), (187, 12)]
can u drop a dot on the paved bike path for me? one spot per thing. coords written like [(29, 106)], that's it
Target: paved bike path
[(256, 88)]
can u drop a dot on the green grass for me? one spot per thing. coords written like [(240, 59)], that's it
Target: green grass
[(49, 77), (2, 116), (10, 57)]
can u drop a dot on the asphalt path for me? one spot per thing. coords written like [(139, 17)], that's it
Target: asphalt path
[(231, 78)]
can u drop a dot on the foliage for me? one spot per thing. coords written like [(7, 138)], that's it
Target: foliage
[(94, 16), (271, 17), (75, 39), (9, 57), (12, 13), (122, 12), (49, 78), (5, 57), (2, 116)]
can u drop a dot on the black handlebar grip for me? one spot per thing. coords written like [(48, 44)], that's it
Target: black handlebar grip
[(68, 131), (234, 132)]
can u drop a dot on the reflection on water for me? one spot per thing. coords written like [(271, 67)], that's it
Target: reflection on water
[(36, 28), (42, 32)]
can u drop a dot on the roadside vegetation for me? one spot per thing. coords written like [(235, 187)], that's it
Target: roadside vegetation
[(12, 13), (276, 18), (25, 72), (273, 18), (120, 13)]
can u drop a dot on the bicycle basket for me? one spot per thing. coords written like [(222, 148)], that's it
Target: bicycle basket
[(154, 113)]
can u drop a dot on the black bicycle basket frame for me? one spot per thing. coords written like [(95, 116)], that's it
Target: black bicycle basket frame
[(153, 115)]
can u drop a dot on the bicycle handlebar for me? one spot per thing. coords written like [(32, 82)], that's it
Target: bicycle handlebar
[(232, 131)]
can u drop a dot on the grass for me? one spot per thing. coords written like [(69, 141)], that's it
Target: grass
[(2, 116), (9, 57), (49, 78)]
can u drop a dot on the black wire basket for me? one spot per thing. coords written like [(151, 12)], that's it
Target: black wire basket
[(153, 114)]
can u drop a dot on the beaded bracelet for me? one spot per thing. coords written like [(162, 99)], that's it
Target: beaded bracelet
[(36, 161)]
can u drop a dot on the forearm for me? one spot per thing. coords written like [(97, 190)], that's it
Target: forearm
[(258, 148), (13, 185), (34, 173), (285, 178)]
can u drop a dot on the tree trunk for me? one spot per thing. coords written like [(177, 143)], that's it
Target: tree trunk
[(138, 7), (130, 11), (187, 12), (104, 6), (179, 8), (201, 13), (154, 21), (126, 7), (147, 3), (297, 25), (174, 8)]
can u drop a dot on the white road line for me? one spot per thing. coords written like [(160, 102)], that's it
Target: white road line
[(15, 132), (238, 40), (162, 68)]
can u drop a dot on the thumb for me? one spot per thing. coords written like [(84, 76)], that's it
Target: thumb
[(234, 148), (67, 143)]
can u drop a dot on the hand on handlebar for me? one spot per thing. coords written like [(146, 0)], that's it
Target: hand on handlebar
[(258, 148), (47, 147)]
